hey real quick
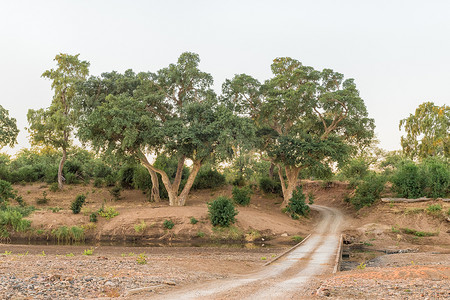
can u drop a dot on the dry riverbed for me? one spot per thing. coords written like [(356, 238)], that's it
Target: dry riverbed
[(116, 271)]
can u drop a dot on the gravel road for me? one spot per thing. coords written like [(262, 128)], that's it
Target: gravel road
[(286, 278)]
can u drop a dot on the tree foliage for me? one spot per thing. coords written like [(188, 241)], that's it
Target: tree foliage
[(8, 129), (173, 112), (427, 131), (53, 126), (305, 118)]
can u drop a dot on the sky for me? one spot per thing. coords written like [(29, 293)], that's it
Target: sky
[(398, 52)]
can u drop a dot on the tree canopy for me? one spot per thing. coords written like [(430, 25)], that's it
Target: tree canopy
[(173, 111), (53, 126), (305, 118), (427, 131), (8, 129)]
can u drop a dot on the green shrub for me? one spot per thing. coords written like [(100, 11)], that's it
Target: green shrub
[(222, 212), (61, 234), (208, 179), (68, 235), (355, 169), (72, 178), (268, 185), (93, 217), (6, 191), (76, 234), (437, 178), (98, 182), (110, 180), (108, 212), (115, 192), (78, 203), (241, 196), (239, 181), (54, 187), (42, 200), (368, 190), (14, 218), (311, 198), (408, 181), (168, 224), (297, 205), (193, 221), (434, 208), (142, 179), (126, 174)]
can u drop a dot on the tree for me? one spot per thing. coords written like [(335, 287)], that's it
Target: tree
[(305, 118), (54, 125), (172, 112), (8, 129), (427, 131)]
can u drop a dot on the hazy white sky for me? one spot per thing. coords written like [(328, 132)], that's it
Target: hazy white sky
[(398, 52)]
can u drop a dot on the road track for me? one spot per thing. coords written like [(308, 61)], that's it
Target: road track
[(285, 278)]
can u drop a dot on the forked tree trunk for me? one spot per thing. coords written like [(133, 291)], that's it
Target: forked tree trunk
[(292, 179), (60, 169), (190, 181), (172, 188), (154, 193)]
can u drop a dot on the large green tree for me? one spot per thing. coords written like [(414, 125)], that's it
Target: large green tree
[(305, 118), (427, 131), (54, 125), (8, 129), (173, 111)]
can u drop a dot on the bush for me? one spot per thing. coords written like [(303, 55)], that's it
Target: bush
[(368, 190), (93, 217), (208, 179), (54, 187), (437, 178), (68, 235), (108, 212), (297, 205), (355, 169), (168, 224), (77, 204), (268, 185), (72, 178), (98, 182), (42, 200), (110, 180), (6, 192), (193, 221), (434, 208), (126, 175), (14, 218), (115, 192), (222, 212), (142, 179), (241, 196), (408, 181)]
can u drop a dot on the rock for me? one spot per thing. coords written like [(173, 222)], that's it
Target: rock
[(284, 234)]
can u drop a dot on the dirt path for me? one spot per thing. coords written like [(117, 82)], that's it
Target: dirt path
[(283, 279)]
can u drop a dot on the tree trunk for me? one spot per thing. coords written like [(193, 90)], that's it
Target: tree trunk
[(60, 169), (154, 193), (172, 189), (272, 166), (177, 180), (190, 181), (292, 179)]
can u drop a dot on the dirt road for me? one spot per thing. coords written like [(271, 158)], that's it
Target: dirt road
[(286, 277)]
